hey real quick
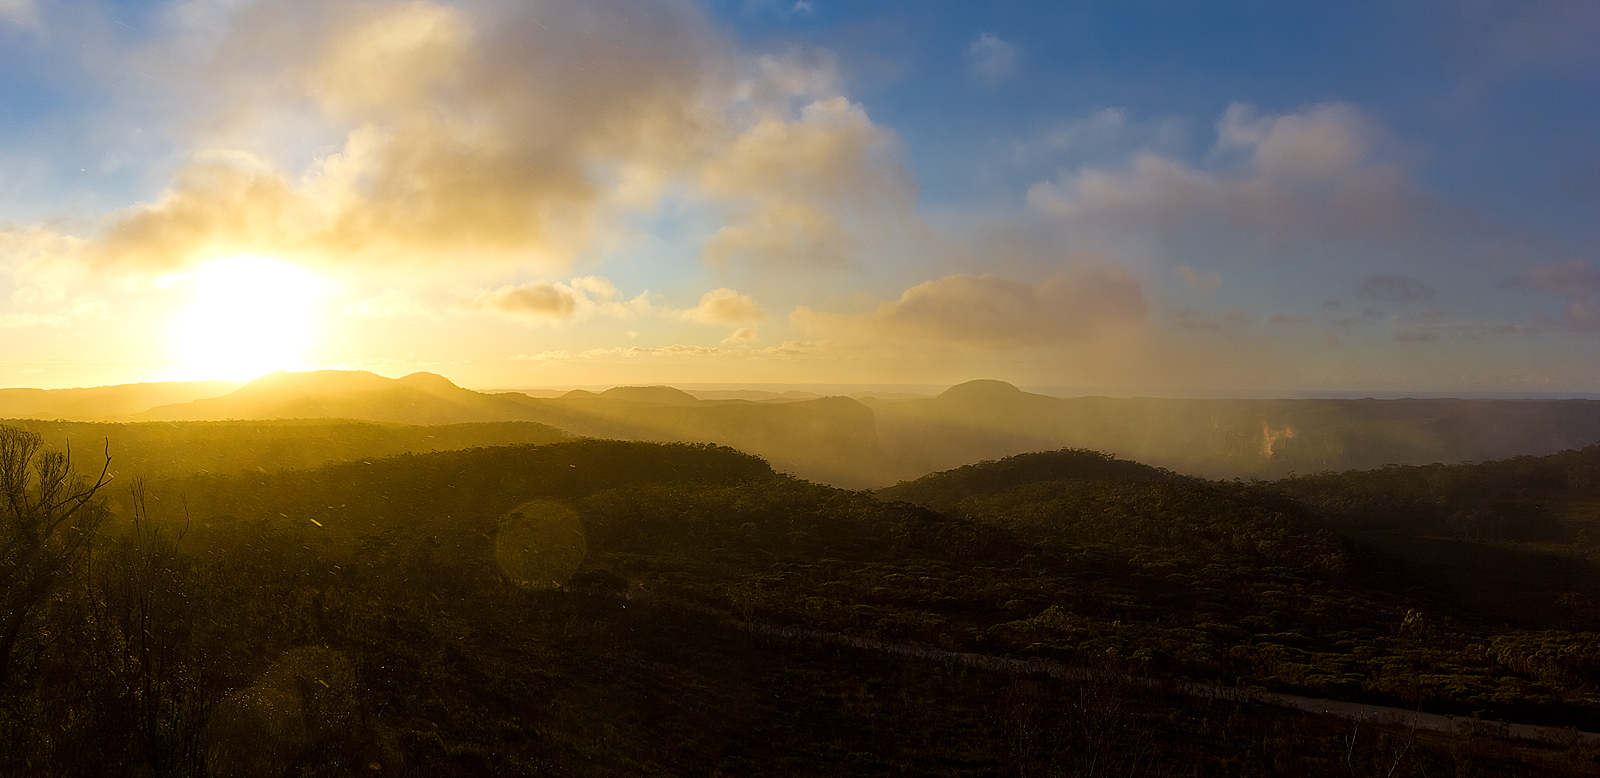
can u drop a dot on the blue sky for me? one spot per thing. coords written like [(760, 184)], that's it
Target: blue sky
[(1174, 198)]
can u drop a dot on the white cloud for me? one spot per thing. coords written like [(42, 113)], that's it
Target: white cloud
[(499, 134), (808, 192), (1315, 176), (993, 60)]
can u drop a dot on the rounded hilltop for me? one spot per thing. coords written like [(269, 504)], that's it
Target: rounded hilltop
[(982, 390)]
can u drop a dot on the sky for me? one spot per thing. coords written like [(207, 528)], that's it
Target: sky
[(1163, 197)]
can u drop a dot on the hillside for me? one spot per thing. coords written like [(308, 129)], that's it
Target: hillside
[(1516, 538), (160, 450), (983, 420), (945, 489), (829, 439), (727, 619), (875, 441), (1207, 582), (104, 403)]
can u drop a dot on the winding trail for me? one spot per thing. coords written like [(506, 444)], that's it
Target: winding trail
[(1353, 711)]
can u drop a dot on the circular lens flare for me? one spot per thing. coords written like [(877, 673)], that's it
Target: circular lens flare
[(248, 316)]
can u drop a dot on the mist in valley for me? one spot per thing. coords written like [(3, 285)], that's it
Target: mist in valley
[(799, 387)]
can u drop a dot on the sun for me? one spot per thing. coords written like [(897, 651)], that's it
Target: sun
[(247, 316)]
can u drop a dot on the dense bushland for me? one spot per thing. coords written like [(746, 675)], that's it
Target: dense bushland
[(361, 601)]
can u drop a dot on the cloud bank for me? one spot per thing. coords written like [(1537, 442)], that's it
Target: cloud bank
[(991, 312), (507, 134), (1282, 181)]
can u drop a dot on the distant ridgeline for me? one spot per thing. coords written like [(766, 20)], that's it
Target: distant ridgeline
[(873, 442)]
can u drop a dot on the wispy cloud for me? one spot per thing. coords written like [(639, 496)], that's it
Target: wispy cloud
[(993, 60), (1202, 284), (1395, 290), (391, 304)]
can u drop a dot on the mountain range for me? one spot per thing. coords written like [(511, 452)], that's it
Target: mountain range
[(874, 441)]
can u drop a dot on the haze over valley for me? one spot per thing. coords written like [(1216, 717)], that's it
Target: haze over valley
[(799, 387)]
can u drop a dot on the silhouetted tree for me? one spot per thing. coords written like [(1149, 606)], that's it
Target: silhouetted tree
[(48, 516)]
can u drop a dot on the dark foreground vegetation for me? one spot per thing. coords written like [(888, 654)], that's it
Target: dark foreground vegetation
[(359, 618)]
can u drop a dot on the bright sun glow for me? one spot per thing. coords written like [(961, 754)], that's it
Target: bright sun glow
[(248, 316)]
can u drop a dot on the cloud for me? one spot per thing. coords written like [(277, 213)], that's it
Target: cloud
[(426, 135), (986, 311), (1584, 314), (741, 336), (993, 60), (1569, 279), (1395, 290), (782, 9), (1415, 336), (675, 350), (724, 306), (546, 302), (1278, 181), (1202, 284), (1191, 319), (391, 304), (1574, 280), (20, 14), (808, 192), (1105, 133), (796, 349), (79, 309), (1508, 38), (29, 319)]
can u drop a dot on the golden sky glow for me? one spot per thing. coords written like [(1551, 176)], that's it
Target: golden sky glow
[(555, 193), (246, 316)]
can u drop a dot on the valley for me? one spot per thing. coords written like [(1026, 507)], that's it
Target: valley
[(674, 605)]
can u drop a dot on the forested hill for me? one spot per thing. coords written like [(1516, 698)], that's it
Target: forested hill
[(401, 612), (871, 442), (1553, 498), (1515, 539), (161, 450), (946, 488)]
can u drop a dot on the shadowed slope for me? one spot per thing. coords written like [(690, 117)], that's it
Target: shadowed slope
[(944, 489)]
